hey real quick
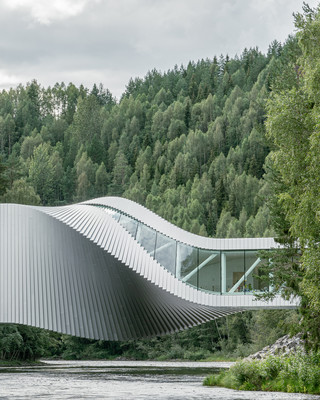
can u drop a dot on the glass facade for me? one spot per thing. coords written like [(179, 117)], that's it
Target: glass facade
[(165, 252), (209, 271), (222, 272), (130, 224), (147, 238)]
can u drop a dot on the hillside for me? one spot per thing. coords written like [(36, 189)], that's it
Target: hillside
[(188, 143)]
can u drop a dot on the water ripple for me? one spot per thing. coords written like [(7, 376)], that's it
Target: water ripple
[(125, 380)]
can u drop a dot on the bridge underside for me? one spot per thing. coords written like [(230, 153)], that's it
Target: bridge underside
[(76, 270)]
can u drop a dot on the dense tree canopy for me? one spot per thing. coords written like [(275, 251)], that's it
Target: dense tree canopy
[(188, 143), (3, 179), (293, 125)]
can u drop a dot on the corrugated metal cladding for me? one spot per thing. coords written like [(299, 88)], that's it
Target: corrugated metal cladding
[(75, 270), (153, 220)]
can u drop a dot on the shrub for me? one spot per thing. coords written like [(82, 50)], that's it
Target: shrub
[(298, 373)]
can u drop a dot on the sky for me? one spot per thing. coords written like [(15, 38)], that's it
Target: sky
[(110, 41)]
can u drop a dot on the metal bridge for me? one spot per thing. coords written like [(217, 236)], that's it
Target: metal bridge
[(111, 269)]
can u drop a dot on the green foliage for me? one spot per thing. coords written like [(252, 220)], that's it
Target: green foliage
[(41, 172), (21, 193), (3, 178), (293, 127), (298, 373), (102, 180), (188, 143), (18, 342), (73, 348)]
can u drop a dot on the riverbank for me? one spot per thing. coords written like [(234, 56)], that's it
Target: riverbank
[(19, 363), (295, 373), (225, 361)]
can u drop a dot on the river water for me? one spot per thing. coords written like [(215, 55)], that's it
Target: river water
[(125, 380)]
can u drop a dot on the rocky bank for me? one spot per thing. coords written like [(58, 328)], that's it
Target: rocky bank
[(283, 346)]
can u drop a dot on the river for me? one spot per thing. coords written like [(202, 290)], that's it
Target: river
[(125, 380)]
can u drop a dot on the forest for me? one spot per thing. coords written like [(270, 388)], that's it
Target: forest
[(189, 144), (214, 147)]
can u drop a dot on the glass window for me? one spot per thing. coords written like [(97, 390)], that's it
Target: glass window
[(166, 252), (232, 271), (129, 224), (251, 269), (114, 214), (209, 270), (253, 283), (146, 237), (187, 263)]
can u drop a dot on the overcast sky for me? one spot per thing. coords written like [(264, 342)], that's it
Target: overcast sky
[(109, 41)]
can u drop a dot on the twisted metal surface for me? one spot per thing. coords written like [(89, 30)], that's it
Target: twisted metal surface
[(76, 270)]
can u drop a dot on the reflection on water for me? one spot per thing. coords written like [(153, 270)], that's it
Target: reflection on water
[(121, 380)]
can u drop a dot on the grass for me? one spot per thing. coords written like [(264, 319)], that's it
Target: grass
[(299, 373)]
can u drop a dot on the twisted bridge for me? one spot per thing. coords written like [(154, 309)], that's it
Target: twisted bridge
[(110, 269)]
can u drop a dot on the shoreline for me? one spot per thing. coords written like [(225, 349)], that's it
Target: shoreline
[(294, 373)]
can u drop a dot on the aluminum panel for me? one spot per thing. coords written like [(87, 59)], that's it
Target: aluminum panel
[(76, 270)]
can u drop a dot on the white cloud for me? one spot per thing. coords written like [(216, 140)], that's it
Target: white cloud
[(109, 41), (45, 12), (8, 80)]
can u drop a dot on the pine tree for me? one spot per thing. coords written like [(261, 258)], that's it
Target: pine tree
[(3, 178)]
